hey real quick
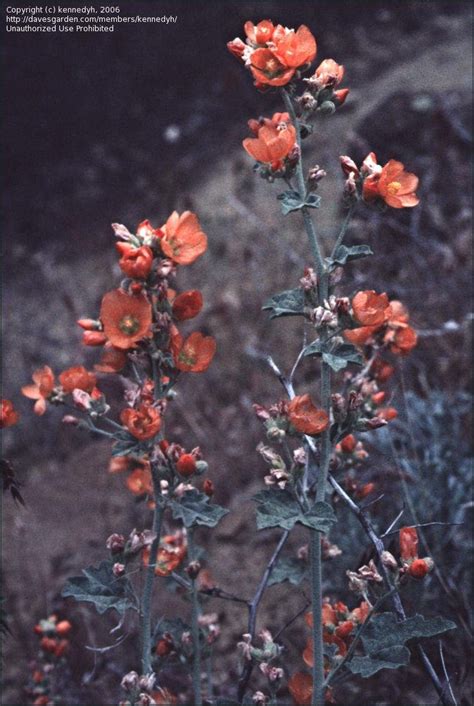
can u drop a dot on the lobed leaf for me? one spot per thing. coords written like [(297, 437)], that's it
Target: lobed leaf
[(291, 201), (288, 303), (278, 508), (100, 586), (288, 569), (384, 630), (388, 658), (194, 508), (345, 254)]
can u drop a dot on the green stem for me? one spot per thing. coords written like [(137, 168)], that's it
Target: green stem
[(308, 221), (195, 629), (150, 576), (316, 602), (342, 232)]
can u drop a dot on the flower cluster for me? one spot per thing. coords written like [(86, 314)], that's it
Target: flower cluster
[(274, 54), (53, 644), (8, 414), (372, 183)]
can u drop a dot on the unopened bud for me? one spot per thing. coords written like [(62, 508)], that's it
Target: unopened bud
[(201, 467), (129, 681), (388, 560), (115, 543), (89, 324), (193, 569), (146, 683), (327, 108), (118, 569), (69, 419), (208, 487)]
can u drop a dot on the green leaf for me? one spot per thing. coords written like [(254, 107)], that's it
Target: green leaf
[(343, 255), (194, 508), (288, 303), (340, 357), (384, 641), (337, 358), (388, 658), (291, 201), (278, 508), (314, 349), (100, 586), (175, 627), (127, 447), (289, 569), (385, 631)]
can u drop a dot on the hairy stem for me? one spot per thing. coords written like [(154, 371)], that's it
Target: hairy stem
[(308, 221), (196, 609), (150, 576)]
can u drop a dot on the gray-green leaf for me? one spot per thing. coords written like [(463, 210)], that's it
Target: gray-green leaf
[(100, 586), (194, 508), (345, 254), (288, 569), (278, 508), (384, 630), (388, 658), (288, 303)]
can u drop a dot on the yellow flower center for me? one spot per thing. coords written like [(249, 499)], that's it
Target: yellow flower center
[(393, 188), (129, 325)]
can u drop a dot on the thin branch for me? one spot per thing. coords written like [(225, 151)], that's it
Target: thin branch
[(292, 620), (253, 608), (446, 675), (422, 524)]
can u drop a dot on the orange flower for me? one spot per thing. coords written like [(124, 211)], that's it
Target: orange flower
[(143, 423), (392, 184), (171, 552), (77, 378), (187, 305), (135, 262), (41, 390), (305, 417), (260, 33), (359, 336), (408, 538), (402, 341), (112, 360), (294, 49), (139, 482), (300, 686), (274, 142), (195, 354), (328, 74), (370, 308), (126, 319), (8, 415), (183, 240), (361, 613), (268, 70)]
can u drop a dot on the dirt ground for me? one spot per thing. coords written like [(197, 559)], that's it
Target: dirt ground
[(101, 156)]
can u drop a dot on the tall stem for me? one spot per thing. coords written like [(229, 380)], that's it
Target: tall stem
[(315, 537), (150, 576), (308, 221), (195, 629)]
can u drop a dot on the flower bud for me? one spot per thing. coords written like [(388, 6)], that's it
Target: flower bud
[(201, 467), (146, 683), (339, 96), (420, 567), (94, 338), (193, 569), (327, 108), (69, 419), (115, 543), (208, 487), (118, 569), (129, 681), (186, 465), (89, 324), (388, 560)]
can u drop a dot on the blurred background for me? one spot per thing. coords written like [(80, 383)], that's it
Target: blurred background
[(119, 127)]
